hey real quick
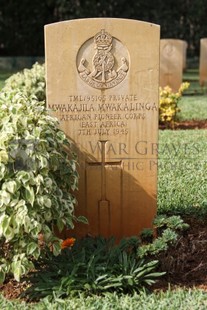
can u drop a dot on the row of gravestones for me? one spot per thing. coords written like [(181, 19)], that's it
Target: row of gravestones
[(103, 85), (173, 62)]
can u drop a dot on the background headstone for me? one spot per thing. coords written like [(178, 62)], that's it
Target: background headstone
[(203, 62), (103, 85), (171, 63), (185, 47)]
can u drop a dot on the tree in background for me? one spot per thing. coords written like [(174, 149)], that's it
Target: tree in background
[(22, 22)]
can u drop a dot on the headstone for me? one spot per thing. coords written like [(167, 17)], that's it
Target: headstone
[(185, 47), (203, 62), (171, 63), (103, 85)]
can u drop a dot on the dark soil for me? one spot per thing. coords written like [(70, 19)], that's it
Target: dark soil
[(191, 124), (185, 263)]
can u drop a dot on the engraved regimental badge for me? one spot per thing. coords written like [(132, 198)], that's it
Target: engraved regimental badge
[(168, 49), (108, 66)]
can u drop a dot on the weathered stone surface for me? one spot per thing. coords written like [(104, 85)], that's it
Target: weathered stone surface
[(171, 63), (102, 84), (203, 62)]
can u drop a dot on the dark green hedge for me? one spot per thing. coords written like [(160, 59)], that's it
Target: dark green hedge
[(22, 22)]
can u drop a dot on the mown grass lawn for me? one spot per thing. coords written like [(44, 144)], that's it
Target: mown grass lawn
[(182, 178), (193, 107), (170, 300)]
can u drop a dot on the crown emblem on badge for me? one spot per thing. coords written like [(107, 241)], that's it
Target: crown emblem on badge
[(103, 38)]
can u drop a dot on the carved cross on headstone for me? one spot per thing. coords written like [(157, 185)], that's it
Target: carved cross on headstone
[(103, 203)]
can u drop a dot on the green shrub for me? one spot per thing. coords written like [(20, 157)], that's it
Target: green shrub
[(29, 81), (37, 178)]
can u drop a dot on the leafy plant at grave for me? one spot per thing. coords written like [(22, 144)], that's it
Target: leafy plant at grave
[(147, 235), (36, 182), (167, 229), (168, 105), (94, 265), (160, 244), (29, 81), (174, 222)]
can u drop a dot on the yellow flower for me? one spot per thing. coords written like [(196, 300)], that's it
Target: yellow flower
[(183, 87), (169, 101)]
